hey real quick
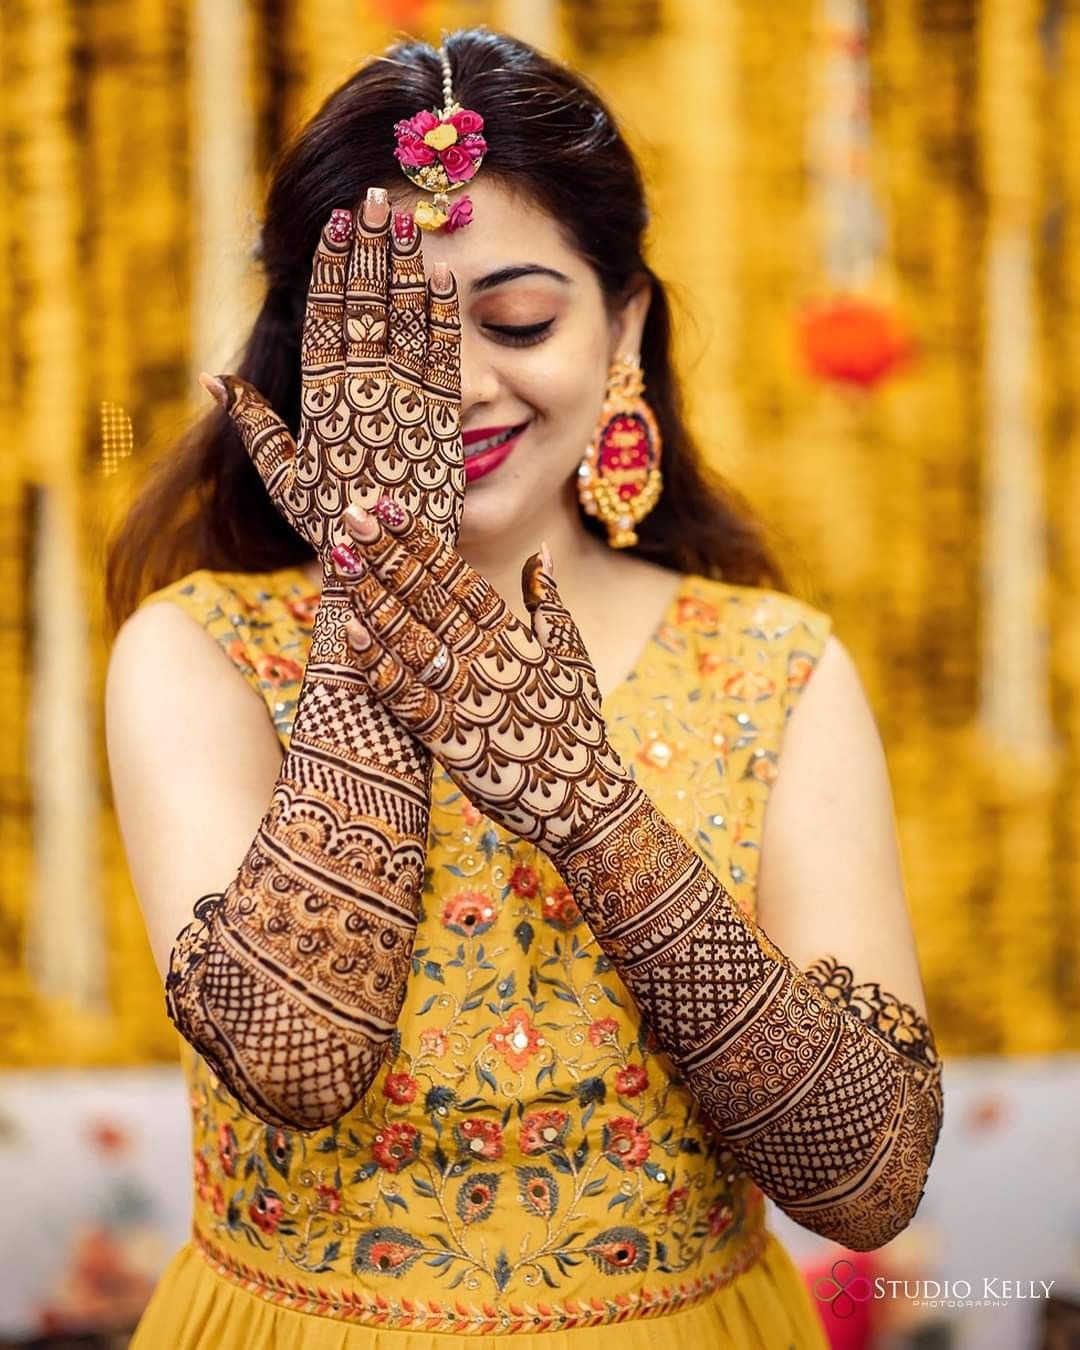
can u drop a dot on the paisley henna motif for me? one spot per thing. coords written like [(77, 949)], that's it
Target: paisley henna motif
[(827, 1092), (290, 982)]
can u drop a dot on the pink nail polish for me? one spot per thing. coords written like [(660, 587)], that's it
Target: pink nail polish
[(390, 513), (347, 560), (339, 227), (404, 226)]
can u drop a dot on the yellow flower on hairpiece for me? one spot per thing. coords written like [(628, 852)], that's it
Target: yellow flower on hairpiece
[(428, 216), (442, 136)]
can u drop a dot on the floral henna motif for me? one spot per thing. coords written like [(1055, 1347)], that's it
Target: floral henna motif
[(827, 1092), (290, 982)]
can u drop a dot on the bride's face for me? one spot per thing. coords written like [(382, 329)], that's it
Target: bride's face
[(537, 340)]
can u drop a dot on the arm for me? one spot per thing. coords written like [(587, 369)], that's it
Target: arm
[(290, 979), (829, 1095)]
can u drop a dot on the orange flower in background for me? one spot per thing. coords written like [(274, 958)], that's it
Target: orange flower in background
[(517, 1040), (631, 1080), (626, 1143), (434, 1041), (524, 882), (560, 910), (276, 669), (854, 342), (691, 610), (400, 1088), (749, 686), (303, 609), (468, 913), (604, 1029), (235, 652)]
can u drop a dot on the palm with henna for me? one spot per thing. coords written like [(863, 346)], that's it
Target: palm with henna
[(290, 982)]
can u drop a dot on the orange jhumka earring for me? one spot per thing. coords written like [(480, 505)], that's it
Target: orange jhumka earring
[(619, 478)]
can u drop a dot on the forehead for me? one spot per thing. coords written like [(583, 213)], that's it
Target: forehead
[(507, 229)]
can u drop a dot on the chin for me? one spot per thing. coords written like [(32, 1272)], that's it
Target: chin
[(512, 512)]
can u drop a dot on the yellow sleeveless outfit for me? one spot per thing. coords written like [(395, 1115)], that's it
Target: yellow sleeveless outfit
[(527, 1172)]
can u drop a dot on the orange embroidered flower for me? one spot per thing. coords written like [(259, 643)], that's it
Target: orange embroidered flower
[(799, 670), (434, 1041), (235, 652), (277, 669), (625, 1143), (303, 609), (762, 766), (517, 1040), (604, 1030), (691, 610), (631, 1081), (227, 1149), (217, 1198), (329, 1198), (524, 882), (468, 913), (560, 910), (470, 814), (480, 1138), (543, 1130), (708, 663), (400, 1087), (202, 1177), (656, 752), (395, 1146), (266, 1210), (749, 686)]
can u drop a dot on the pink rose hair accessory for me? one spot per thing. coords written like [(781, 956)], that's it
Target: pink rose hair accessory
[(440, 151)]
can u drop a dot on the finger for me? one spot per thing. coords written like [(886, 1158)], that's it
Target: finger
[(552, 623), (442, 372), (365, 286), (265, 437), (322, 343), (418, 708), (407, 301), (438, 657), (391, 535)]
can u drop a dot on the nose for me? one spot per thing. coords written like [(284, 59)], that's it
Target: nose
[(479, 376)]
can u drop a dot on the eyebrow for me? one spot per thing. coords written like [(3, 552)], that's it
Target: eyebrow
[(512, 273)]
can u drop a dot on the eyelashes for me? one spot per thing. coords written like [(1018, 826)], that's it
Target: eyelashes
[(520, 335)]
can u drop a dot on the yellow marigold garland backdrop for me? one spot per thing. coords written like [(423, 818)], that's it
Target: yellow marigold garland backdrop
[(898, 172)]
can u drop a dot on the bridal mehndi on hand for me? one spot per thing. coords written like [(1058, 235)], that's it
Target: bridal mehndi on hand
[(777, 1056), (310, 944), (486, 1006)]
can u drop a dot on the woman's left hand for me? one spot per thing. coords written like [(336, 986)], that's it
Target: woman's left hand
[(511, 711)]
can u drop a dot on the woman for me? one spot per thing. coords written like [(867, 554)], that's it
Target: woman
[(477, 1043)]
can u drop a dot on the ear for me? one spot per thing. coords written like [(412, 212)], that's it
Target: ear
[(628, 318)]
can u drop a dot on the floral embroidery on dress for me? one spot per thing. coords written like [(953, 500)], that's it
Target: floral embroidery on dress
[(527, 1132)]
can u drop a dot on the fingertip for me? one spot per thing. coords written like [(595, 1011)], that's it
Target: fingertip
[(338, 229), (375, 211), (216, 388), (443, 282), (357, 635)]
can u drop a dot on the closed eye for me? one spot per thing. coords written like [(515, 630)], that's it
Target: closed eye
[(519, 335)]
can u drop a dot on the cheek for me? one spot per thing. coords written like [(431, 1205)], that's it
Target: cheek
[(565, 383)]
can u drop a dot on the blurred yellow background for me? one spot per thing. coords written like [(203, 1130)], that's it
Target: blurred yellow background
[(870, 217)]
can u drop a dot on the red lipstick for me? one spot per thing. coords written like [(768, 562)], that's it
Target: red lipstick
[(498, 444)]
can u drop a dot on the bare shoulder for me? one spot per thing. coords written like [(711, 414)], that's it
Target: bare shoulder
[(193, 758)]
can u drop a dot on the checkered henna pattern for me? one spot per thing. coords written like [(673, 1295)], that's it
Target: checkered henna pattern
[(289, 983)]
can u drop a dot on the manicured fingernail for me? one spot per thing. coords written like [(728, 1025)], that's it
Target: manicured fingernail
[(346, 560), (357, 635), (376, 207), (360, 523), (404, 226), (549, 566), (441, 280), (390, 513), (217, 390), (339, 226)]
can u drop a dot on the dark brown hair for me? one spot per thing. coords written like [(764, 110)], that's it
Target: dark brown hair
[(553, 141)]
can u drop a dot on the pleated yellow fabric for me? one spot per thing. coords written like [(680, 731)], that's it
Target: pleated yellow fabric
[(529, 1167)]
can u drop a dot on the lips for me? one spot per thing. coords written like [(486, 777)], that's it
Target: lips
[(487, 447)]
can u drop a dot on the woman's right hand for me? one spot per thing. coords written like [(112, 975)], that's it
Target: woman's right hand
[(381, 392)]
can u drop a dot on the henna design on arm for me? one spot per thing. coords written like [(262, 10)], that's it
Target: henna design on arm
[(289, 983), (828, 1092)]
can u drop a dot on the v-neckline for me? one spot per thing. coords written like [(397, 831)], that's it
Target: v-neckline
[(663, 622)]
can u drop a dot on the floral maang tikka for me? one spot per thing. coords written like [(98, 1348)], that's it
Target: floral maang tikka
[(440, 151)]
